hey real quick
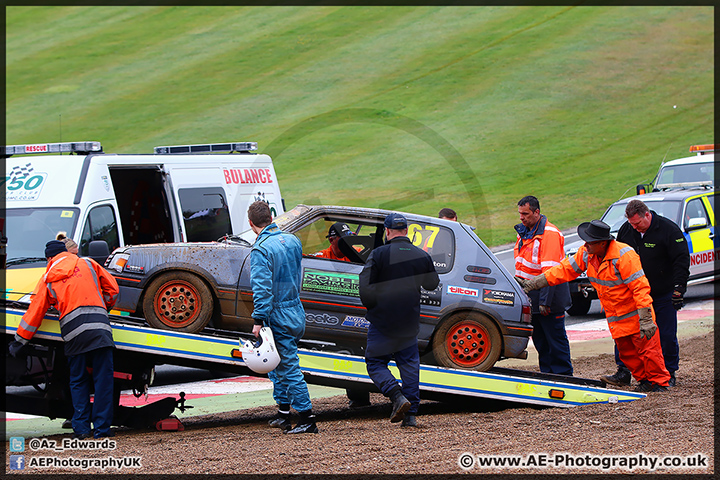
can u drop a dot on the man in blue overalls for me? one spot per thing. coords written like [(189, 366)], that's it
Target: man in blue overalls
[(275, 278)]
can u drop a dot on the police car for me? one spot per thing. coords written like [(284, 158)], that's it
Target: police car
[(477, 315), (692, 209)]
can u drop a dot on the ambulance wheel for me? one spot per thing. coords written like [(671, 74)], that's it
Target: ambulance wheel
[(178, 301), (467, 340), (580, 305)]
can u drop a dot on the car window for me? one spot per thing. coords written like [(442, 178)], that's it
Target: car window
[(694, 209), (100, 225), (438, 241), (314, 237), (615, 216), (694, 172), (205, 213)]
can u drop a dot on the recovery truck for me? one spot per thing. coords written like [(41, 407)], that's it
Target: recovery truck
[(140, 348)]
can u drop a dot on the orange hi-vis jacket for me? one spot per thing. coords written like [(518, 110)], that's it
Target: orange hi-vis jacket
[(540, 253), (81, 290), (619, 281)]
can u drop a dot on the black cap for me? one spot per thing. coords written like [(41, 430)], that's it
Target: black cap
[(338, 229), (53, 247), (594, 231), (395, 221)]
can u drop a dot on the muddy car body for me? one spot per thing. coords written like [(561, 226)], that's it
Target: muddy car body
[(476, 316)]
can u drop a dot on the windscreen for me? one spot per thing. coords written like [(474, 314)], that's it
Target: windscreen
[(29, 229), (683, 174), (615, 215)]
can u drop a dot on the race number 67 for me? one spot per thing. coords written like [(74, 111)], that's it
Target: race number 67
[(414, 229)]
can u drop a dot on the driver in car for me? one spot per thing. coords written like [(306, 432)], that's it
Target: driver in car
[(336, 231)]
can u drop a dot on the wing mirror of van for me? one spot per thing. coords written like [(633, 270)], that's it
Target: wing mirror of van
[(643, 188), (695, 223), (99, 250)]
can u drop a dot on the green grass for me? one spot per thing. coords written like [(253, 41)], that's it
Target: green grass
[(413, 108)]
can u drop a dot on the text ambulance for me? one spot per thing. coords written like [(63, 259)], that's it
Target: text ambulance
[(187, 193)]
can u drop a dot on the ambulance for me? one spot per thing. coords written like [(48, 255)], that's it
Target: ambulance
[(182, 193)]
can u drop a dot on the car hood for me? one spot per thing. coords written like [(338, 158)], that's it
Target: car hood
[(222, 261)]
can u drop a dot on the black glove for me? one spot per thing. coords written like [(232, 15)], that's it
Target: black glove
[(677, 300), (15, 347)]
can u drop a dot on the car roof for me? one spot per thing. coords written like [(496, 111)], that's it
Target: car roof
[(676, 195), (374, 215), (706, 158)]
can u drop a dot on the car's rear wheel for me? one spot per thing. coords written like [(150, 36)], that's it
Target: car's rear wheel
[(467, 340), (580, 305), (178, 301)]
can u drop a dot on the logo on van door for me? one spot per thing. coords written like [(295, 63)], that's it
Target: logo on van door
[(24, 183), (247, 175)]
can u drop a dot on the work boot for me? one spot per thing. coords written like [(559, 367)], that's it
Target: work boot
[(409, 421), (621, 378), (305, 425), (671, 382), (282, 419), (658, 388), (644, 386), (400, 407), (281, 423)]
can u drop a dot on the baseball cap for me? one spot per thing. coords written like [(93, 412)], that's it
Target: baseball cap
[(338, 229), (395, 221)]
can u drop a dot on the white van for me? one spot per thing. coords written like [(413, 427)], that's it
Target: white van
[(185, 193)]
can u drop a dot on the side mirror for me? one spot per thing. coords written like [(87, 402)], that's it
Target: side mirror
[(695, 223), (643, 188), (99, 250)]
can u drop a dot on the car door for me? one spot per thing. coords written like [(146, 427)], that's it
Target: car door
[(330, 293), (699, 229)]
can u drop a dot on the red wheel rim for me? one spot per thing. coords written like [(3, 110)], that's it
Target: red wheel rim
[(177, 304), (468, 344)]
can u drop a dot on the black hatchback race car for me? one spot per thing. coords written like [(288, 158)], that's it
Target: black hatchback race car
[(477, 315)]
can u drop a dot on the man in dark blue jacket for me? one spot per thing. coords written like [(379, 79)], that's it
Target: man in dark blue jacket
[(390, 290), (665, 260)]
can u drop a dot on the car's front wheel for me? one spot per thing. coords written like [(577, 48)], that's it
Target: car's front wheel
[(178, 301), (467, 340)]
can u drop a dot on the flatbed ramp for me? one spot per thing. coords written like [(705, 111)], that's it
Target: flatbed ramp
[(218, 350)]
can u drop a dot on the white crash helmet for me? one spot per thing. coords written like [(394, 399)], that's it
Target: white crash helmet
[(260, 356)]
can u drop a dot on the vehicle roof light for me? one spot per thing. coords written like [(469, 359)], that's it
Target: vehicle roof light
[(207, 148), (700, 149), (71, 147)]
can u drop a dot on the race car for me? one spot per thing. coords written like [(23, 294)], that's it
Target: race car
[(476, 316)]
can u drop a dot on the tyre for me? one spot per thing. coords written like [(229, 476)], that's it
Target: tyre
[(580, 305), (178, 301), (467, 340)]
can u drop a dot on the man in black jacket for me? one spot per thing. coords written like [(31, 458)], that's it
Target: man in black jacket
[(666, 262), (390, 290)]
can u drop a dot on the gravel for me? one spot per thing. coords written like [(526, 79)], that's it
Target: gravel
[(679, 422)]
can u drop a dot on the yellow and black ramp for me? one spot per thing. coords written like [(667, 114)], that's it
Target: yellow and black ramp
[(345, 370), (219, 351)]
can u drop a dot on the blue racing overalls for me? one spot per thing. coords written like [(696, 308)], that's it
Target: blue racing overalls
[(275, 272)]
